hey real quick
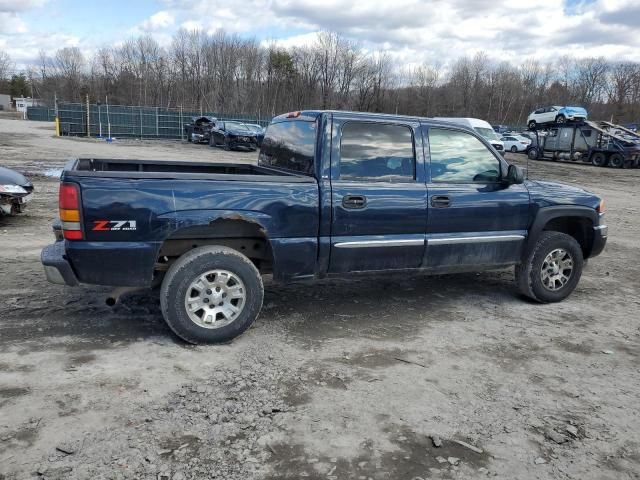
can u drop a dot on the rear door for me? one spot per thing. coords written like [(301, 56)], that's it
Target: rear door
[(475, 219), (378, 195)]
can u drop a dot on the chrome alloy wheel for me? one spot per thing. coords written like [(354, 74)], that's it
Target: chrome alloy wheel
[(215, 299), (556, 270)]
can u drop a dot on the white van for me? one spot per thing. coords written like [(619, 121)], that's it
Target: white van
[(480, 126)]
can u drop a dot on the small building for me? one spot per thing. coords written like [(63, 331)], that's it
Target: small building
[(22, 103), (5, 102)]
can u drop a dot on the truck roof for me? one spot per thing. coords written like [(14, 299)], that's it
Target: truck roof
[(311, 115)]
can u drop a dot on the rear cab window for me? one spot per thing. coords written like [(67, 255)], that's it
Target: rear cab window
[(290, 145)]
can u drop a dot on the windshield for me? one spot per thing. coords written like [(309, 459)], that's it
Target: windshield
[(487, 133), (235, 126)]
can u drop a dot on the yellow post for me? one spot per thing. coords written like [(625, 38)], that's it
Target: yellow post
[(57, 126)]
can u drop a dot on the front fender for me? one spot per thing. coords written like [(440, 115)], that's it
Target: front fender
[(547, 214)]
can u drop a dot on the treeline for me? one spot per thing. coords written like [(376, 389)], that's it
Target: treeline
[(229, 74)]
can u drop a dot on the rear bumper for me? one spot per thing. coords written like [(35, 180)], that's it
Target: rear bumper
[(56, 266), (600, 234)]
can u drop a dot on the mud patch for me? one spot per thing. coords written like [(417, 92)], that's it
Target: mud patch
[(9, 393), (380, 358), (582, 348), (415, 457), (81, 359)]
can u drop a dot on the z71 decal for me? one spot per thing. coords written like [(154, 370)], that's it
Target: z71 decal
[(113, 225)]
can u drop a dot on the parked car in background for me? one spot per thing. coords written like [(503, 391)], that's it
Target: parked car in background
[(232, 135), (258, 130), (481, 126), (15, 191), (199, 129), (500, 129), (555, 114), (515, 143)]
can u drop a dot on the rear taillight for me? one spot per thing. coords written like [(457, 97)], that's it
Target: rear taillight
[(69, 203)]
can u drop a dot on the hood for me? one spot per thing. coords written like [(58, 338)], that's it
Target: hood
[(11, 177), (547, 194), (575, 110), (241, 133)]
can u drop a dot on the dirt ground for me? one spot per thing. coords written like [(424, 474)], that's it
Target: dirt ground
[(345, 379)]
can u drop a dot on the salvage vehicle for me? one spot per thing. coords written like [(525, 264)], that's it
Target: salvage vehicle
[(233, 135), (555, 114), (599, 143), (15, 192), (258, 130), (199, 129), (333, 193)]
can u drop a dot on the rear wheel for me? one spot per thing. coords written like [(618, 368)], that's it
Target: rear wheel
[(628, 163), (598, 159), (532, 154), (514, 149), (211, 295), (616, 160), (561, 119), (227, 144), (552, 270)]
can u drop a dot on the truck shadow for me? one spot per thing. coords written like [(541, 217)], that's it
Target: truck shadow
[(388, 306)]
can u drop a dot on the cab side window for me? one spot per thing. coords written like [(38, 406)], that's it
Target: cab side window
[(459, 157), (377, 152)]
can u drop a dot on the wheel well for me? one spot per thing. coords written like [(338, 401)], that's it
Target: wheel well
[(580, 228), (247, 237)]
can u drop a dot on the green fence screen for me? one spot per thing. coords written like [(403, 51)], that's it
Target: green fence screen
[(126, 121)]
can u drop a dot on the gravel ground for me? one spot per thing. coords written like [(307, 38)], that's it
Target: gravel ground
[(357, 378)]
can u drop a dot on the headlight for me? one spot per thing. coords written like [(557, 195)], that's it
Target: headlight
[(12, 189)]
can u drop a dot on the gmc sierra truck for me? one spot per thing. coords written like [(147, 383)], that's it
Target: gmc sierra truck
[(332, 193)]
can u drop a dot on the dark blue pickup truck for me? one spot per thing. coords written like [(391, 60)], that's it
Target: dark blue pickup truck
[(332, 193)]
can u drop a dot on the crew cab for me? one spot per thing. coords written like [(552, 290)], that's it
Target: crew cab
[(332, 193)]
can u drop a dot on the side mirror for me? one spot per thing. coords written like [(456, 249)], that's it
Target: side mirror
[(515, 175)]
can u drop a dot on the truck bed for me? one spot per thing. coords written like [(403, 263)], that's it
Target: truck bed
[(127, 168)]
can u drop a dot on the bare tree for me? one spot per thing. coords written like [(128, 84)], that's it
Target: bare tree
[(5, 65)]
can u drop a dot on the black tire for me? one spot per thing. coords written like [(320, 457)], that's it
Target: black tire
[(599, 159), (528, 273), (189, 139), (192, 265), (514, 149), (227, 145), (616, 160), (212, 142), (560, 119), (628, 163), (532, 125), (532, 153)]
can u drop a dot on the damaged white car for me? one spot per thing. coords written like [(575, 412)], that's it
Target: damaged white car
[(15, 192)]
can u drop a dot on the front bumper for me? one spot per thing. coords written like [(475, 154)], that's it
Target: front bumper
[(599, 239), (56, 266)]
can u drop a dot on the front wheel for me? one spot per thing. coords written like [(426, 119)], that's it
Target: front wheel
[(532, 125), (553, 268), (561, 119), (514, 149), (211, 295), (532, 154)]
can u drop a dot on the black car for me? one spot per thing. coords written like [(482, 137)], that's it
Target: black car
[(199, 129), (15, 192), (232, 135)]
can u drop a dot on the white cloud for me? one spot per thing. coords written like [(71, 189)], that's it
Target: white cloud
[(159, 20)]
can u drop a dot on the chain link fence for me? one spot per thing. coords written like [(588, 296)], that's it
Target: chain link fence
[(120, 121)]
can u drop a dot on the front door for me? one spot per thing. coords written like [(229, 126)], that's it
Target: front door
[(475, 219), (378, 196)]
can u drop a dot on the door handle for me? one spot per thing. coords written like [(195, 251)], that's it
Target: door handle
[(440, 201), (354, 201)]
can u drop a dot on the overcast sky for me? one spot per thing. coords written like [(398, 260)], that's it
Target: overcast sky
[(412, 30)]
